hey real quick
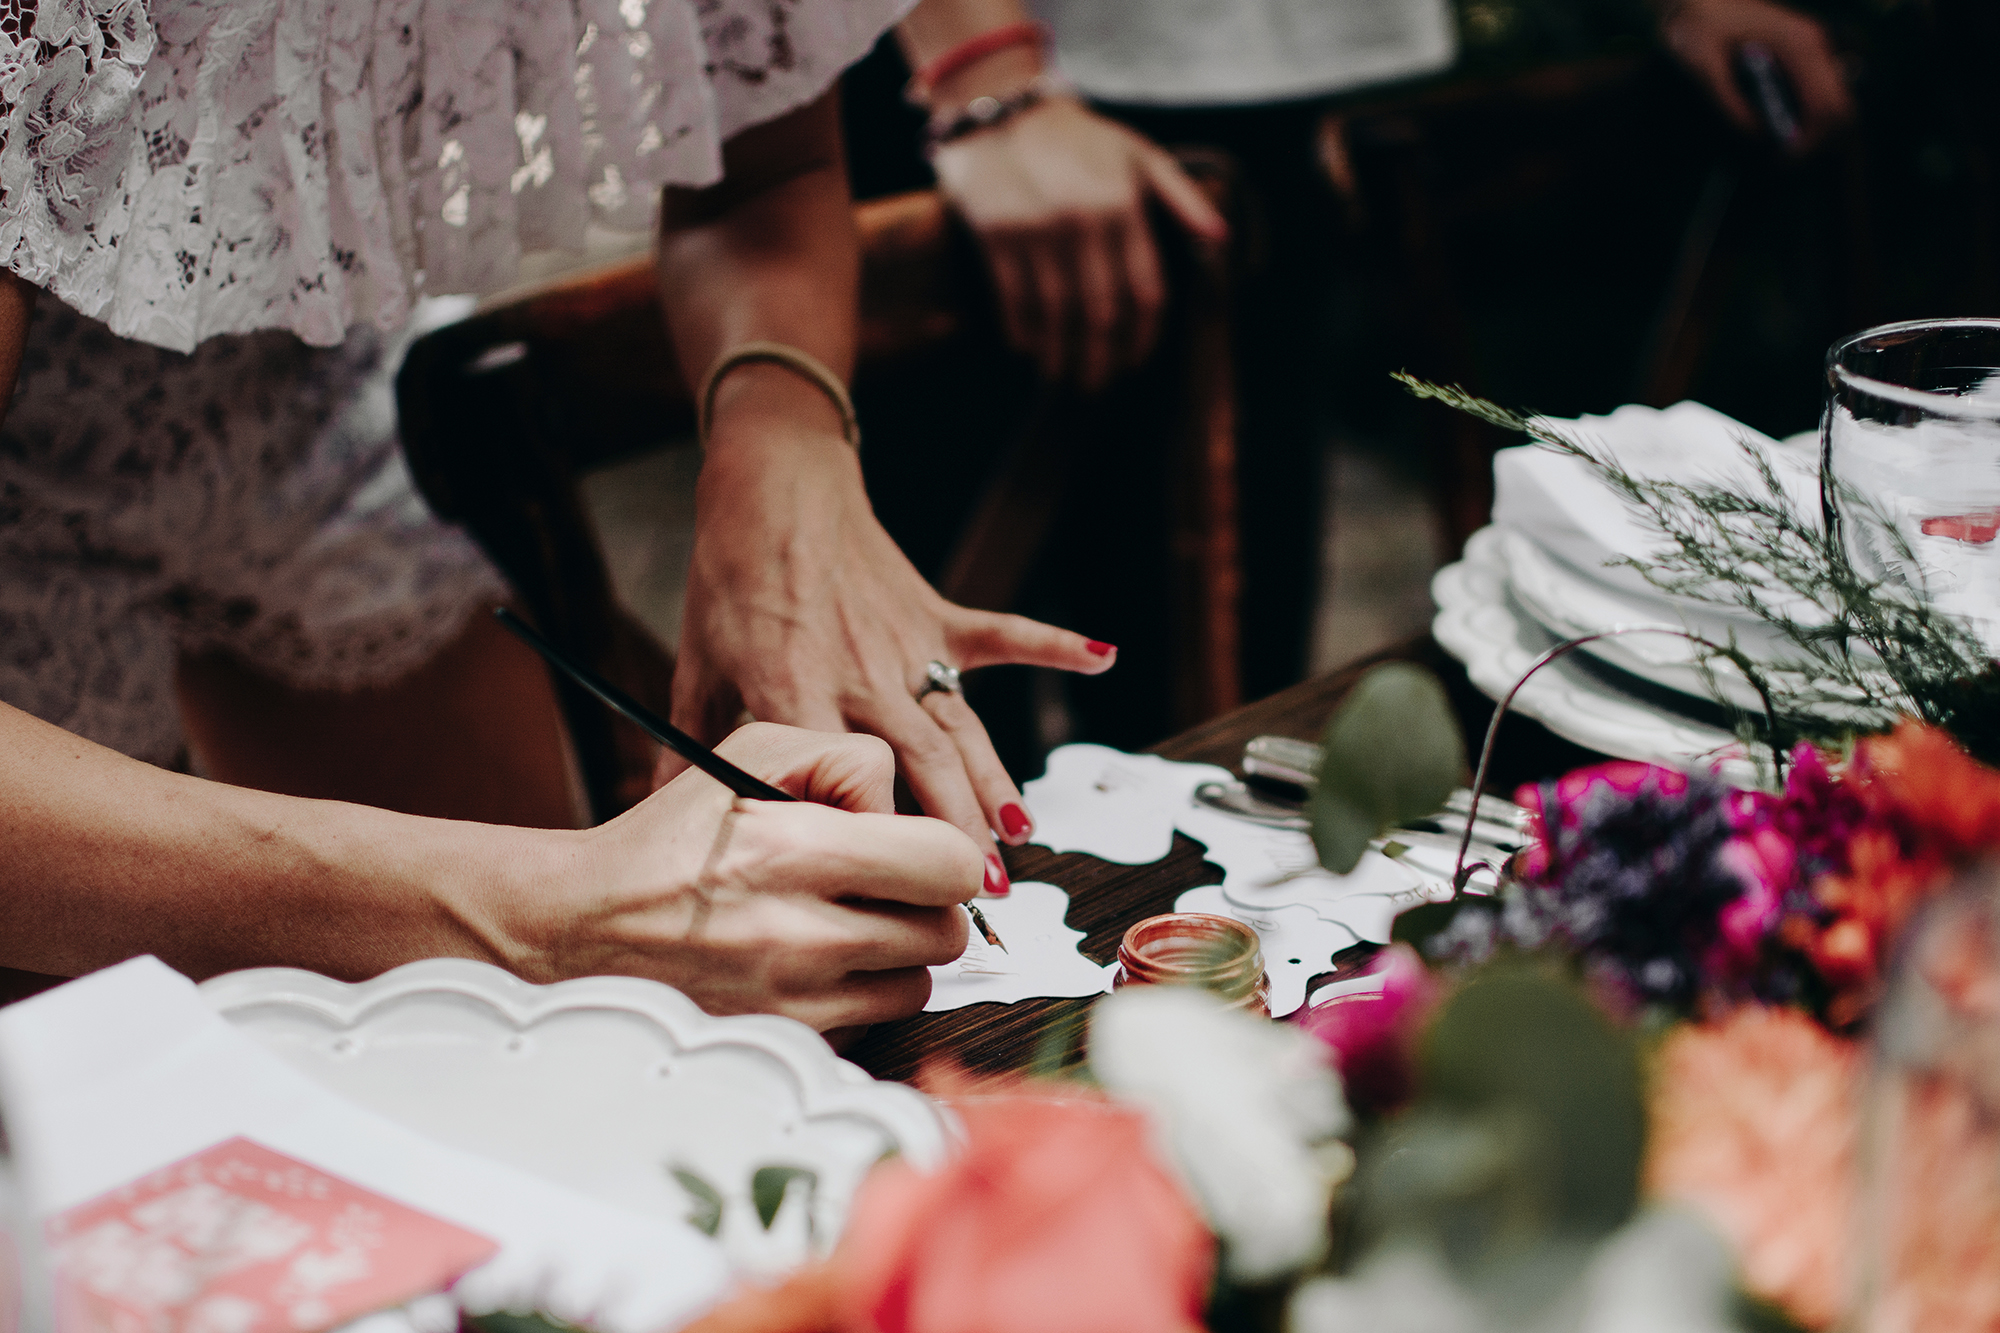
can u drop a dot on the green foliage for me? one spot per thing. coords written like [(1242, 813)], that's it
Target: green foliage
[(1524, 1146), (768, 1185), (704, 1200), (1731, 548), (1059, 1046), (1393, 753), (1760, 1316), (505, 1322), (1415, 926)]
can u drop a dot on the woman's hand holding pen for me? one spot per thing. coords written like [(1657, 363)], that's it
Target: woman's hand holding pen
[(828, 909), (802, 609)]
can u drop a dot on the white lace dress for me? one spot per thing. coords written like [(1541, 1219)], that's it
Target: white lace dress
[(237, 205)]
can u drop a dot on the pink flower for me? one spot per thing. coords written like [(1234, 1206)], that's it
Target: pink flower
[(1577, 788), (1753, 1123), (1767, 863), (1372, 1034)]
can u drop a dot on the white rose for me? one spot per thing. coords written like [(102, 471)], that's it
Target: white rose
[(1242, 1105)]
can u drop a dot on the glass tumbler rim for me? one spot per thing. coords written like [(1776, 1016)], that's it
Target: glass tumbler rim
[(1928, 401)]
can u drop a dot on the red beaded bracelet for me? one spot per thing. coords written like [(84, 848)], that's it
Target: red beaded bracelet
[(971, 50)]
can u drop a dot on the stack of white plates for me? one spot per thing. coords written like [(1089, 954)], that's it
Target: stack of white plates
[(1548, 569)]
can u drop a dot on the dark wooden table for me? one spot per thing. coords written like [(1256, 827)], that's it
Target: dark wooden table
[(1105, 898)]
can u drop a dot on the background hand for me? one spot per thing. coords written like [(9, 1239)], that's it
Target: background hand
[(827, 911), (1057, 197), (1706, 35), (802, 609)]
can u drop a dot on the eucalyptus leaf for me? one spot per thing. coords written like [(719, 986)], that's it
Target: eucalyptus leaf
[(1393, 753), (768, 1185), (1525, 1043), (1416, 926), (705, 1210), (1522, 1151)]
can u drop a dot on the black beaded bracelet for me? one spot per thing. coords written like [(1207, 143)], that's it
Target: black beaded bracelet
[(983, 113)]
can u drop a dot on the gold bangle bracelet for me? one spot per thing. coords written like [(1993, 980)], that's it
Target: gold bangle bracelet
[(780, 354)]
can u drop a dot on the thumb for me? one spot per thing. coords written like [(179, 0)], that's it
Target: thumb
[(841, 769), (1187, 201)]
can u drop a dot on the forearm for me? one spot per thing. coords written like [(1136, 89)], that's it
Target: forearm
[(108, 858), (770, 253)]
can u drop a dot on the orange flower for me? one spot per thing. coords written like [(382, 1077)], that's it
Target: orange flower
[(1753, 1123), (1920, 774), (1054, 1218), (1929, 808)]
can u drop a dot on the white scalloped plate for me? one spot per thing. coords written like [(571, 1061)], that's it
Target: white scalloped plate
[(602, 1084), (1571, 603), (1479, 623)]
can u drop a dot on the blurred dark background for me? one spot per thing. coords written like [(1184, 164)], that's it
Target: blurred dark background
[(1563, 222)]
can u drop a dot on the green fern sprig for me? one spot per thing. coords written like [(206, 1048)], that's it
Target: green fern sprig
[(1874, 652)]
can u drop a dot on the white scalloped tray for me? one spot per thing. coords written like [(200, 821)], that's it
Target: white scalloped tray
[(603, 1084)]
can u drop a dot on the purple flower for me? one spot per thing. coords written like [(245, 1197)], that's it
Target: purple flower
[(1633, 872)]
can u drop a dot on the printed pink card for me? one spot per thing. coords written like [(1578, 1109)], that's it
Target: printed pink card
[(240, 1239)]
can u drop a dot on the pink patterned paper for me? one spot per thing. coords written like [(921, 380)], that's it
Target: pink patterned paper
[(241, 1239)]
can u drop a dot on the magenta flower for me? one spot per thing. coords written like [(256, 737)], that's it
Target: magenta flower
[(1372, 1034)]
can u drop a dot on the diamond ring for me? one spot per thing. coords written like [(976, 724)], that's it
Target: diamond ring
[(939, 679)]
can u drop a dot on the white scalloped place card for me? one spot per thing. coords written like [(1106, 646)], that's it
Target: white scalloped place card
[(1040, 957), (1111, 805)]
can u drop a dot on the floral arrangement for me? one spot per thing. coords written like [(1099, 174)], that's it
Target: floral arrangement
[(1672, 889), (1195, 1159), (1624, 1092)]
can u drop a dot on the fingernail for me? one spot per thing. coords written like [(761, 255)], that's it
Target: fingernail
[(997, 883), (1100, 648), (1014, 820)]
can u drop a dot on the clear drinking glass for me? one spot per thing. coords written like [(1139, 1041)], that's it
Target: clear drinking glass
[(1910, 450)]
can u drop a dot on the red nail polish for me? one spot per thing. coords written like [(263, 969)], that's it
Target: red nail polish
[(1100, 648), (997, 883), (1014, 820)]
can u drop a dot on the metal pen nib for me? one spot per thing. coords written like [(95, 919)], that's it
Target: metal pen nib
[(991, 937)]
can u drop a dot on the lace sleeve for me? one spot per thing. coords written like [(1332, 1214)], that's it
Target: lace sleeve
[(186, 168), (767, 57), (69, 79)]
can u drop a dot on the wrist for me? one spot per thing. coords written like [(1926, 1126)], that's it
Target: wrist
[(767, 465), (756, 392), (993, 75), (506, 892)]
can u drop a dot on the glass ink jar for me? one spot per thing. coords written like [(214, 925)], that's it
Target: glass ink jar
[(1196, 949)]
